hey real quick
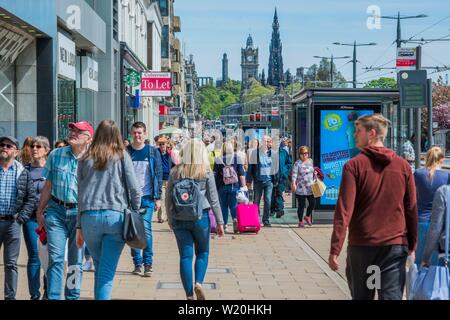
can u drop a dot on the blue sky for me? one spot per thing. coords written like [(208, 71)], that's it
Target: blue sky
[(308, 28)]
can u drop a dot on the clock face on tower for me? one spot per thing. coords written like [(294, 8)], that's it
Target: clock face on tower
[(250, 58)]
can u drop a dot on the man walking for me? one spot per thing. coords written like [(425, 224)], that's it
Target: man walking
[(281, 181), (262, 169), (377, 201), (61, 194), (17, 201), (148, 168)]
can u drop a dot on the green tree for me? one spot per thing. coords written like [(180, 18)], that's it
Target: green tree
[(320, 76), (256, 90), (213, 100), (293, 88), (382, 83)]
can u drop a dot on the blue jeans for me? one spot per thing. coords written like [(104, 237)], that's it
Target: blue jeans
[(34, 264), (227, 197), (267, 188), (421, 241), (10, 238), (102, 232), (188, 235), (147, 253), (61, 226)]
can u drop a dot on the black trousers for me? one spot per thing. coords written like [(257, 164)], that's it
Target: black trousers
[(301, 206), (380, 268)]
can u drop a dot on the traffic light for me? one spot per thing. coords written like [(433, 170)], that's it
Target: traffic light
[(258, 116), (252, 117)]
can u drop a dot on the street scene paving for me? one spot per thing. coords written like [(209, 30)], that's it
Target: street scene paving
[(271, 265)]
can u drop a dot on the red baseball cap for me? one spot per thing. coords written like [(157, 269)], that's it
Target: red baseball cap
[(83, 126)]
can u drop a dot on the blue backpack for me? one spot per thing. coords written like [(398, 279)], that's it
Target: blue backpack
[(187, 199)]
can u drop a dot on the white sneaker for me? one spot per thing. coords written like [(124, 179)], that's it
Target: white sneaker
[(88, 266)]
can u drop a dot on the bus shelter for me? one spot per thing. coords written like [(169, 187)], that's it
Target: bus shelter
[(323, 120)]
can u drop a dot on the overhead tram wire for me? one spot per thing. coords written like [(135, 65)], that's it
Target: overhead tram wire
[(377, 76), (428, 28)]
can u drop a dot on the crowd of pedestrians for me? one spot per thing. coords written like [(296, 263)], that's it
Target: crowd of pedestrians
[(54, 197)]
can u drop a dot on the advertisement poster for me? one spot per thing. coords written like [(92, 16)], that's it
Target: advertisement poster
[(337, 146)]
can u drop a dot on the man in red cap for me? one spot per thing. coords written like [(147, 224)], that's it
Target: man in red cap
[(60, 193)]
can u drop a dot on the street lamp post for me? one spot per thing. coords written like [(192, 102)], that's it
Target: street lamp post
[(354, 45), (399, 31), (331, 67)]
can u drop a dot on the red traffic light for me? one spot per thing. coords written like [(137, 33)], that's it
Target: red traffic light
[(258, 117), (252, 117)]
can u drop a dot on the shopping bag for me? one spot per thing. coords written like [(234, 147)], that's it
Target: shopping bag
[(43, 254), (241, 197), (318, 188), (212, 221), (432, 283), (411, 276)]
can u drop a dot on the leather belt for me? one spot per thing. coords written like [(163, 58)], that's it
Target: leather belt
[(66, 205)]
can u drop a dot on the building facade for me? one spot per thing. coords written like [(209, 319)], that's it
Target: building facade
[(69, 62), (192, 103), (54, 76), (172, 61), (140, 33), (249, 63)]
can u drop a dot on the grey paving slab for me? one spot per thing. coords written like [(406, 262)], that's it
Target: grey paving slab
[(278, 263)]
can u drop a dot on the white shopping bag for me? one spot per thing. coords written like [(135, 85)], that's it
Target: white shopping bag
[(411, 276), (43, 254), (241, 197)]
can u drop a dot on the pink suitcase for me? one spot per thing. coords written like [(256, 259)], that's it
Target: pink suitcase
[(248, 218)]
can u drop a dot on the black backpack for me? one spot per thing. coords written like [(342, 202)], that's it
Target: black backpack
[(187, 199)]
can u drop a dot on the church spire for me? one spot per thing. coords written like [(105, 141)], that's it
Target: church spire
[(275, 23), (275, 73), (249, 41)]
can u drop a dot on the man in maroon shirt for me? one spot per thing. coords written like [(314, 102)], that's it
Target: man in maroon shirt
[(377, 203)]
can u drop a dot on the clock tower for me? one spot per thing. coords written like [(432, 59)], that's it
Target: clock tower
[(249, 63)]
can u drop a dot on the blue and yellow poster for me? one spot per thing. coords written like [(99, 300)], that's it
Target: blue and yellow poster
[(337, 146)]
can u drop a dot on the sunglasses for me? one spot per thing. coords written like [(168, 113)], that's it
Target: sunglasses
[(304, 153), (162, 144), (36, 146), (7, 146)]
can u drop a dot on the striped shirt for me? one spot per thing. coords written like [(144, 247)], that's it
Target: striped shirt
[(61, 171), (8, 190)]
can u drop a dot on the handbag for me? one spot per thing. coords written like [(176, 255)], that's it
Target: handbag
[(212, 221), (133, 223), (432, 283), (318, 188)]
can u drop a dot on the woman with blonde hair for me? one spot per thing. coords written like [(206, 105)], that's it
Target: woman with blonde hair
[(302, 179), (428, 180), (193, 233), (105, 174)]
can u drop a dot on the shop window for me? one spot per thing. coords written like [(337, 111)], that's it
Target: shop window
[(66, 106), (165, 42), (163, 6)]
